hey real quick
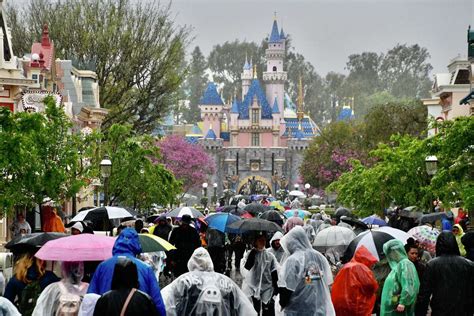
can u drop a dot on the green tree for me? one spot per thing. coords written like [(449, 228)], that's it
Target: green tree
[(39, 159), (134, 47), (137, 179), (195, 85)]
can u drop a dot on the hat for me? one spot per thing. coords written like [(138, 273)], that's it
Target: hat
[(78, 226), (186, 219)]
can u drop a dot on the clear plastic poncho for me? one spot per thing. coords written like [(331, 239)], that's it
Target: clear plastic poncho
[(72, 273), (7, 308), (257, 282), (203, 292), (278, 253), (307, 273), (402, 284)]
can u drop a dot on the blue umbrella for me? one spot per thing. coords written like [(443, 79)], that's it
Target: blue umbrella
[(220, 221), (301, 213), (374, 220)]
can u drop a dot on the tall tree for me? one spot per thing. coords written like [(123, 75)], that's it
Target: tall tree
[(134, 46), (195, 84), (404, 71)]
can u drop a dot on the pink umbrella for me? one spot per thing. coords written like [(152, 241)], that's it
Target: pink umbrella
[(83, 247)]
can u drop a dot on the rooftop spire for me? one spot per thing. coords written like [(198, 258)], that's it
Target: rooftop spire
[(275, 34), (254, 71), (45, 36)]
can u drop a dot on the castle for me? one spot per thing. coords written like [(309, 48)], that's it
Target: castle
[(257, 140)]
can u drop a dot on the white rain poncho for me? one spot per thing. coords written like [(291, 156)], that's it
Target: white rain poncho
[(307, 273), (7, 308), (308, 228), (203, 292), (88, 304), (278, 253), (257, 282), (48, 301)]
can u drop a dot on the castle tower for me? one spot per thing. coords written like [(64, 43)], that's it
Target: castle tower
[(246, 77), (276, 123), (211, 109), (274, 76)]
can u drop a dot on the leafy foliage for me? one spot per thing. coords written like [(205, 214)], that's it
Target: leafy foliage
[(133, 46), (190, 163), (195, 84)]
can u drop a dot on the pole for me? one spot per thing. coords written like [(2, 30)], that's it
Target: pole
[(106, 193)]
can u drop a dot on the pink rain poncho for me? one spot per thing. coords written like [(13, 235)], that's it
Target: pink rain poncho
[(354, 289)]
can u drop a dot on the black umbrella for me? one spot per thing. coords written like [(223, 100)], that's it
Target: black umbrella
[(255, 208), (431, 218), (342, 211), (272, 216), (411, 212), (354, 222), (229, 209), (254, 225), (31, 242)]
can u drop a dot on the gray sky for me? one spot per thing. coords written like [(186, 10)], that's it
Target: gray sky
[(326, 32)]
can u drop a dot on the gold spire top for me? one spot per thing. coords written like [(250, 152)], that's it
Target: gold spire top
[(255, 71), (274, 15)]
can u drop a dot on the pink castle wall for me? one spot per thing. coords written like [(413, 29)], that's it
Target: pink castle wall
[(266, 140), (243, 140)]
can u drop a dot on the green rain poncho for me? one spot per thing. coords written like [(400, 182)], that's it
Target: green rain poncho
[(402, 284)]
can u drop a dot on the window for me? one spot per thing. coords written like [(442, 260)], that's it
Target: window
[(255, 115), (255, 139), (35, 77), (274, 68)]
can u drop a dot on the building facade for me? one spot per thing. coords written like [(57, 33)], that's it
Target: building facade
[(258, 139)]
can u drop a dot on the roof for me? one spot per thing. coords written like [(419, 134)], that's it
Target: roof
[(275, 35), (299, 134), (44, 50), (196, 130), (282, 34), (210, 96), (309, 128), (210, 134), (467, 99), (235, 106), (275, 109), (345, 114), (255, 91)]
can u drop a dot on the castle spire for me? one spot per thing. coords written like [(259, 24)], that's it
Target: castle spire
[(255, 71)]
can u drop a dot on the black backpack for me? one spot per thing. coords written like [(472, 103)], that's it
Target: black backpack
[(28, 298)]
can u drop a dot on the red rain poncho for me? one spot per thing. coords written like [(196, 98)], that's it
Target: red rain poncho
[(353, 291)]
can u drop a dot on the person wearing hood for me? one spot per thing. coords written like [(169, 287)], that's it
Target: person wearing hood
[(162, 228), (327, 222), (308, 228), (260, 276), (468, 242), (459, 233), (71, 285), (127, 245), (355, 287), (448, 281), (186, 239), (293, 221), (203, 292), (275, 247), (124, 298), (305, 278), (402, 284)]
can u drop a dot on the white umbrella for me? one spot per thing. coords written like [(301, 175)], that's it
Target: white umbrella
[(333, 236), (103, 212), (186, 210), (297, 193)]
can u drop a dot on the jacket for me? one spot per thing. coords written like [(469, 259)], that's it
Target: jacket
[(128, 245), (354, 289), (449, 279)]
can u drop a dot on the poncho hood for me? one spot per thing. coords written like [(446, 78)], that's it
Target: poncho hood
[(200, 261), (446, 245), (395, 252), (295, 240), (363, 255), (127, 243)]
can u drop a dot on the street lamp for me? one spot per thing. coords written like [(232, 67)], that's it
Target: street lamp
[(204, 189), (431, 163), (214, 185), (297, 186), (307, 186), (105, 171)]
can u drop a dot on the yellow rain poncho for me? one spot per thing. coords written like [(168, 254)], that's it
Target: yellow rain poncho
[(402, 285)]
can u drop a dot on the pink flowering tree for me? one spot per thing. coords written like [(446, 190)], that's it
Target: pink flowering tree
[(189, 162)]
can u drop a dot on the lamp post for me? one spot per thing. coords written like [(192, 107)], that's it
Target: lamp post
[(105, 171), (214, 198), (204, 193), (297, 186), (307, 186), (431, 163)]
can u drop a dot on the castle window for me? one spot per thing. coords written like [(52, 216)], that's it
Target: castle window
[(255, 116), (35, 77), (274, 68), (255, 140)]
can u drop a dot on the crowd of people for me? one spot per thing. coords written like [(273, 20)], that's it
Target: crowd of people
[(282, 274)]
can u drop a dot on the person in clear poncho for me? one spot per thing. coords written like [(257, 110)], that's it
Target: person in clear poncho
[(305, 278), (71, 283), (275, 247), (203, 292), (401, 286)]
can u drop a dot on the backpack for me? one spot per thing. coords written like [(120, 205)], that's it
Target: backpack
[(28, 298), (69, 303)]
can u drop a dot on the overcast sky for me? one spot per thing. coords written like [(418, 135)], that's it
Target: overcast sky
[(326, 32)]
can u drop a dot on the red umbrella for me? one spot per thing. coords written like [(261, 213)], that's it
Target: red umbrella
[(246, 215)]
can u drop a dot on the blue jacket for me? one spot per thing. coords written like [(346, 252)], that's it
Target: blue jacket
[(128, 245)]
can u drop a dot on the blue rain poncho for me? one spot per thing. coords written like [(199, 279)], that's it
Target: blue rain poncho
[(306, 273), (203, 292), (401, 285), (257, 282)]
